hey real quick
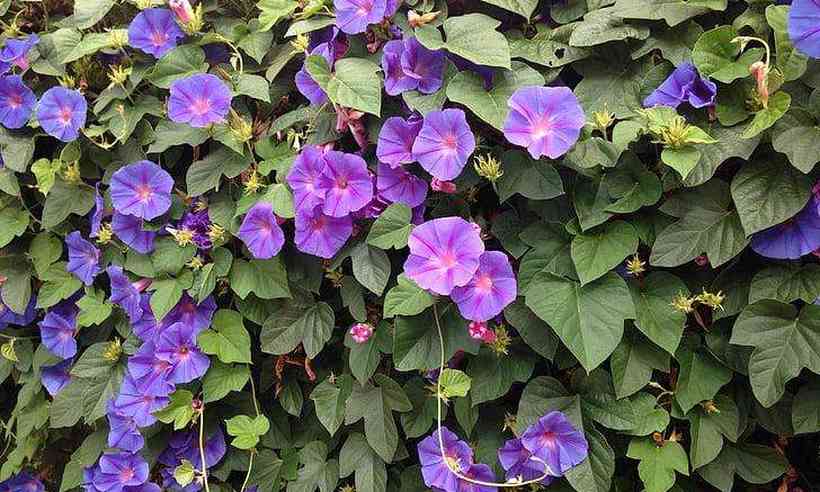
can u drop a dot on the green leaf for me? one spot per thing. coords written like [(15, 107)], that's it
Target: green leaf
[(675, 44), (672, 11), (89, 12), (493, 376), (801, 144), (256, 44), (357, 456), (310, 325), (656, 318), (266, 279), (183, 61), (45, 171), (601, 249), (791, 62), (764, 119), (169, 257), (13, 223), (633, 361), (254, 86), (589, 318), (406, 299), (653, 417), (420, 419), (222, 379), (729, 144), (467, 88), (416, 343), (354, 82), (17, 152), (85, 455), (272, 11), (533, 179), (168, 292), (596, 472), (701, 376), (246, 431), (716, 56), (184, 473), (364, 357), (786, 283), (752, 462), (179, 411), (602, 26), (392, 228), (372, 404), (282, 200), (525, 8), (806, 409), (658, 464), (59, 284), (548, 49), (227, 338), (708, 429), (785, 342), (93, 308), (329, 399), (473, 37), (168, 134), (683, 160), (318, 472), (204, 175), (44, 250), (371, 267), (65, 199), (536, 334), (608, 411)]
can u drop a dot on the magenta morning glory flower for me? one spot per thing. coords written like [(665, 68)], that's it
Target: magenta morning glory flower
[(118, 470), (261, 233), (57, 331), (400, 186), (15, 52), (123, 432), (199, 100), (395, 80), (56, 377), (177, 345), (444, 143), (303, 178), (145, 327), (62, 113), (198, 223), (129, 230), (395, 146), (683, 85), (545, 120), (141, 401), (491, 289), (792, 239), (154, 31), (141, 189), (434, 467), (16, 102), (556, 441), (345, 183), (321, 235), (353, 16), (444, 254), (83, 258), (517, 461), (804, 26)]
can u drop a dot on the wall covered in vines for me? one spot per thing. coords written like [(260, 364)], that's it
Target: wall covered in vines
[(409, 245)]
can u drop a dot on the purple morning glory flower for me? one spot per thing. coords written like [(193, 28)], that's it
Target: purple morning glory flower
[(491, 289), (136, 401), (556, 441), (154, 31), (198, 223), (145, 327), (56, 377), (62, 113), (434, 466), (303, 178), (189, 313), (399, 185), (123, 431), (395, 146), (97, 213), (804, 26), (353, 16), (517, 461), (408, 66), (792, 239), (545, 120), (304, 81), (444, 254), (199, 100), (683, 85), (261, 233), (395, 80), (149, 372), (129, 230), (22, 482), (345, 183), (124, 293), (15, 52), (177, 345), (486, 73), (16, 102), (321, 235), (214, 450), (479, 472), (9, 317), (57, 330), (444, 143), (142, 189), (145, 487), (83, 258), (118, 470)]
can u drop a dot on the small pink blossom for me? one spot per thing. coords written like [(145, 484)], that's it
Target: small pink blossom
[(480, 331), (361, 332), (182, 9), (443, 186)]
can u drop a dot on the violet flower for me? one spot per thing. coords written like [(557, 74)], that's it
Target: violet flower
[(22, 482), (142, 189), (136, 401), (15, 52), (519, 463), (321, 235), (155, 32), (97, 212), (545, 120), (792, 239), (804, 26), (491, 289), (444, 143), (56, 377), (123, 431), (408, 66), (261, 232), (118, 470), (9, 317), (62, 112), (57, 331), (177, 345), (395, 145), (353, 16), (83, 258), (555, 441), (199, 100), (16, 102), (128, 229), (197, 316), (434, 466), (148, 372), (400, 186), (683, 85), (345, 183), (303, 179)]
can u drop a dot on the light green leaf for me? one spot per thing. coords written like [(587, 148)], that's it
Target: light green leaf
[(65, 199), (454, 383), (533, 179), (272, 11), (227, 338), (658, 464), (656, 318), (266, 279), (204, 175), (779, 103), (599, 250), (406, 299), (683, 159), (716, 56), (222, 379), (672, 11), (183, 61), (179, 411), (354, 82), (525, 8), (471, 36), (246, 431), (89, 12), (392, 228)]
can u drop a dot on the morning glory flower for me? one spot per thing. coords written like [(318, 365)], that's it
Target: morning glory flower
[(353, 16), (683, 85), (129, 230), (15, 52), (9, 317), (22, 482), (118, 470), (199, 100), (189, 313), (303, 178), (124, 293), (123, 432), (57, 331), (395, 80), (491, 289), (434, 466), (408, 66), (395, 146), (62, 113), (155, 32), (804, 26), (198, 224), (150, 373), (214, 450), (141, 401), (97, 212), (177, 345), (444, 143), (142, 189), (16, 102), (261, 232), (518, 463), (792, 239), (556, 441), (444, 254), (305, 83), (400, 186), (545, 120), (56, 377), (83, 258), (345, 183), (479, 472), (321, 235)]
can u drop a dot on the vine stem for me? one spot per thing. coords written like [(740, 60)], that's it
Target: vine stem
[(250, 460), (202, 447), (454, 471), (248, 475)]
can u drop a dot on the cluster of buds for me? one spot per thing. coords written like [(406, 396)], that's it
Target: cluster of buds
[(361, 332), (183, 237), (195, 263), (686, 304), (498, 340), (479, 330), (602, 120), (189, 18), (106, 234), (216, 233), (113, 350), (118, 75), (241, 129), (635, 266), (252, 182), (488, 167), (71, 173)]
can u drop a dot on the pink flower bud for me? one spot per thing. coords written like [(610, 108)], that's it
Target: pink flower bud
[(182, 9), (479, 331), (361, 332), (702, 261), (142, 284), (816, 189), (443, 186)]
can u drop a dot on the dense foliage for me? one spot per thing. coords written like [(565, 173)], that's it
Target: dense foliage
[(274, 245)]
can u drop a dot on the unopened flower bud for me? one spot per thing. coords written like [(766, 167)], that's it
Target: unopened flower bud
[(182, 9), (113, 351), (416, 20), (361, 332), (443, 186), (488, 167), (760, 72)]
